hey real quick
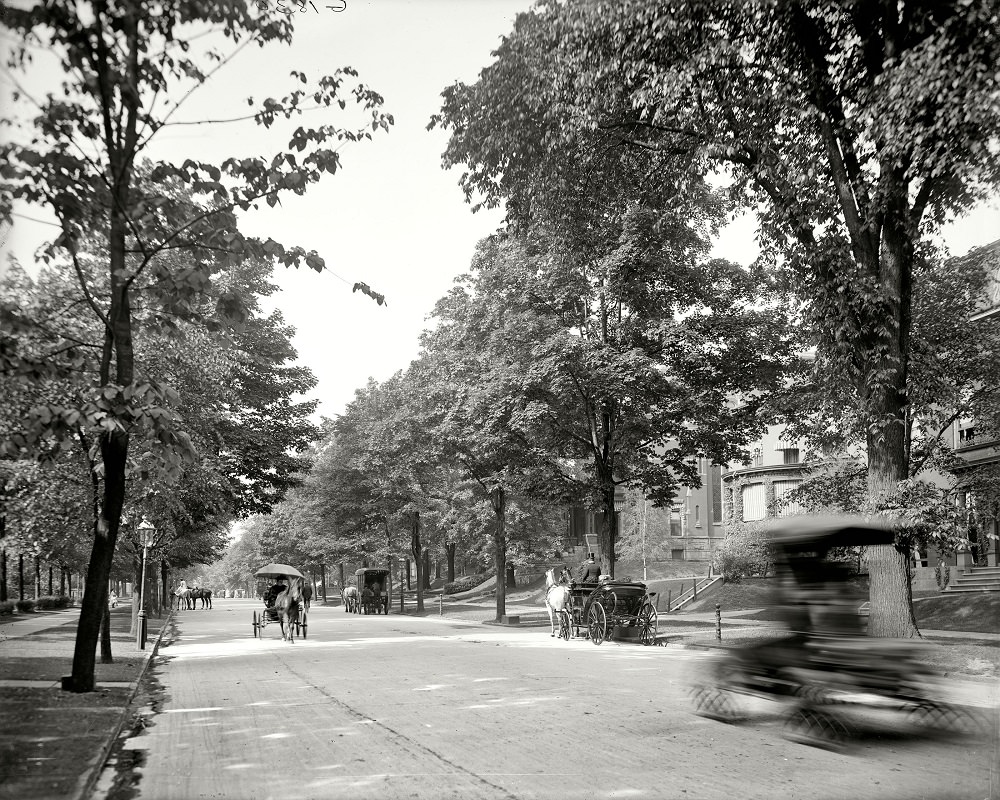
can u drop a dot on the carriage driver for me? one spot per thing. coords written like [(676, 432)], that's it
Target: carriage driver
[(589, 571), (274, 591)]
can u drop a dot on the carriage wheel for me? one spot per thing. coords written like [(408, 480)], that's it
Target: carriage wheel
[(945, 717), (647, 624), (304, 626), (255, 625), (598, 628), (565, 625), (715, 703), (816, 728)]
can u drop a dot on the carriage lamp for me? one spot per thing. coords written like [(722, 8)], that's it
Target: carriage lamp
[(146, 530)]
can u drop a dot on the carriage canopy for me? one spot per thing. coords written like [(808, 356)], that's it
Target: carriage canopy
[(273, 570)]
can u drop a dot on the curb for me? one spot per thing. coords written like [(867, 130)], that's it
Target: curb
[(88, 783)]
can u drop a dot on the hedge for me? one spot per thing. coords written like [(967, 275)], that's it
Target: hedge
[(466, 583)]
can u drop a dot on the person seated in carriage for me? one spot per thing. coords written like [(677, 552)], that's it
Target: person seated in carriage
[(272, 594), (589, 571)]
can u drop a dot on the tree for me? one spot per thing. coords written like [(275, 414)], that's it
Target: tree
[(853, 130), (80, 156), (621, 365)]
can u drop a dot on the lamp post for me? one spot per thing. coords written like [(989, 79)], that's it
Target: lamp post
[(145, 531)]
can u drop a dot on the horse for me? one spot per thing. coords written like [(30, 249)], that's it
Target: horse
[(352, 598), (181, 594), (288, 606), (205, 595), (556, 594)]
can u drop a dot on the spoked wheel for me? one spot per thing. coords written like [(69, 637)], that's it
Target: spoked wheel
[(256, 625), (945, 717), (303, 626), (565, 625), (714, 703), (598, 627), (647, 624), (817, 728)]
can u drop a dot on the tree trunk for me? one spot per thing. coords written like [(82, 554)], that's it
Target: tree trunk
[(322, 580), (20, 576), (609, 533), (114, 452), (449, 550), (889, 579), (498, 499), (417, 551), (3, 567), (890, 592), (106, 656), (426, 571), (511, 581)]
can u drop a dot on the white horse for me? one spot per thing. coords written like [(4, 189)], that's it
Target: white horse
[(556, 595), (352, 599), (183, 595)]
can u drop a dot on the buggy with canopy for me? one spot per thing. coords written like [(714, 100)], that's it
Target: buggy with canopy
[(270, 613), (824, 665)]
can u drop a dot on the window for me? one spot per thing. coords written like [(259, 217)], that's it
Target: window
[(966, 436), (783, 506), (716, 484), (757, 458), (791, 455), (697, 516), (675, 521), (753, 502), (677, 555)]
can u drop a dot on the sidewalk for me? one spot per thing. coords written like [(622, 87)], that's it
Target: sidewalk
[(53, 743)]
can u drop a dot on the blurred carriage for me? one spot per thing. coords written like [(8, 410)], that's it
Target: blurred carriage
[(824, 665), (270, 614)]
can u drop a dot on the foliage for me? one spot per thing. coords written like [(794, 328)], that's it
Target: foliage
[(126, 70), (745, 552), (942, 575), (25, 606), (852, 130), (7, 607), (51, 602), (466, 582)]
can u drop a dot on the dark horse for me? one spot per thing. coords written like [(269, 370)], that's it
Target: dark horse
[(289, 606), (205, 595)]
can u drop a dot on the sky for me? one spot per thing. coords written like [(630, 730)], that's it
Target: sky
[(392, 218)]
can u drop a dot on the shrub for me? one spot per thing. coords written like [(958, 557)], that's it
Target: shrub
[(6, 608), (744, 552), (466, 583), (25, 606), (52, 601), (942, 574)]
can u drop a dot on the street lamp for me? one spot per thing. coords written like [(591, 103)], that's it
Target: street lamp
[(146, 530)]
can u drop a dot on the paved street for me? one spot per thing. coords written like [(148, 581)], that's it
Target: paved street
[(374, 706)]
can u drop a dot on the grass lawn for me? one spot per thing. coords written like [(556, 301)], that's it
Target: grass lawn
[(967, 611), (973, 612)]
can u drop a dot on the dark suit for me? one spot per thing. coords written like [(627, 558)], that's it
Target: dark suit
[(588, 572)]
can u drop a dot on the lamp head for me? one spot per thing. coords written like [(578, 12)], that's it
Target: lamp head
[(146, 530)]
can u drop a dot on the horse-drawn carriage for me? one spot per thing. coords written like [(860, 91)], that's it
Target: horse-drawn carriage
[(289, 607), (371, 592), (601, 609)]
